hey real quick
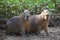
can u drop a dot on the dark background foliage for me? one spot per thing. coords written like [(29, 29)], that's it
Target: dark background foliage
[(9, 8)]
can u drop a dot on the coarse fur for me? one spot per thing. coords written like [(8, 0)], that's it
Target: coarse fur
[(18, 24), (39, 22)]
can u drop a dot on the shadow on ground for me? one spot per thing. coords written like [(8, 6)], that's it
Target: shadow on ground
[(54, 34)]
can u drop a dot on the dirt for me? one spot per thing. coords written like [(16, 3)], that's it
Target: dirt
[(54, 34)]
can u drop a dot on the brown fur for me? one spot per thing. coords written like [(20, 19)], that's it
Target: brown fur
[(17, 24), (39, 22)]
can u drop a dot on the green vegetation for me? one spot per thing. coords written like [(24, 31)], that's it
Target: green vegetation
[(9, 8)]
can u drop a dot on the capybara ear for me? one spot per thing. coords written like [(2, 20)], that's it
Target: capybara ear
[(26, 11), (22, 10), (41, 10)]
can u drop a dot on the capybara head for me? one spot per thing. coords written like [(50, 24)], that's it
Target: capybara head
[(26, 14), (44, 14)]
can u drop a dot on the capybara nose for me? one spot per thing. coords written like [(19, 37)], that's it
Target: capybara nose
[(28, 16)]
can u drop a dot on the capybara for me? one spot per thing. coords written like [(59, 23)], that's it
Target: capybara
[(18, 24), (39, 22)]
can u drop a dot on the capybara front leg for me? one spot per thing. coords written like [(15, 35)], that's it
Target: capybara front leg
[(22, 31), (39, 31), (46, 32)]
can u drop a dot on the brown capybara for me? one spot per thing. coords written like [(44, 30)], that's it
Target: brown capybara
[(39, 22), (18, 24)]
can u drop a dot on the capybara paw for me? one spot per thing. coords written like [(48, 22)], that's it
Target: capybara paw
[(23, 35)]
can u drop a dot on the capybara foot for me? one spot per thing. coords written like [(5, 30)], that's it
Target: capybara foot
[(13, 34), (47, 35), (23, 36)]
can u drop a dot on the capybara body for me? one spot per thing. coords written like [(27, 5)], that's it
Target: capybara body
[(39, 22), (13, 25), (33, 23), (18, 24)]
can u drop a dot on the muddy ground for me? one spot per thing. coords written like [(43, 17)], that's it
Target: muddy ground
[(54, 34)]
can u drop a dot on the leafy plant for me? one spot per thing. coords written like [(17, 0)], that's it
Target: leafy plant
[(9, 8)]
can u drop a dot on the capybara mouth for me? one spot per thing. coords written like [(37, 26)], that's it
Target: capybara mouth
[(27, 18)]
